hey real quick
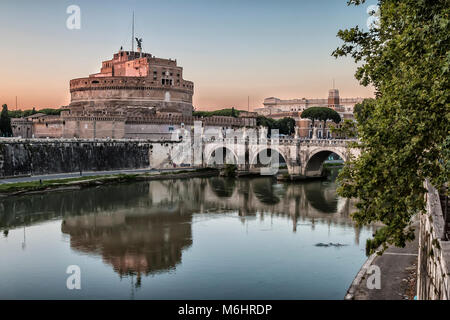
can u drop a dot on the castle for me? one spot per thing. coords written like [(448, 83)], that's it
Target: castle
[(135, 95), (133, 83)]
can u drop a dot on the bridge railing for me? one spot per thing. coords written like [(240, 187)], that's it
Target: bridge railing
[(445, 204), (281, 141)]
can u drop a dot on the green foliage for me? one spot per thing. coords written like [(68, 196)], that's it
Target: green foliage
[(27, 113), (224, 112), (404, 132), (229, 170), (265, 122), (443, 178), (372, 245), (285, 126), (52, 112), (321, 114), (5, 122), (363, 111), (347, 129)]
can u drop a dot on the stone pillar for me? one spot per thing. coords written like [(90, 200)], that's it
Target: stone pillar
[(262, 134), (314, 133), (113, 127)]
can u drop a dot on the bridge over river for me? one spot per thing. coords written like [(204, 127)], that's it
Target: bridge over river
[(257, 152), (251, 150)]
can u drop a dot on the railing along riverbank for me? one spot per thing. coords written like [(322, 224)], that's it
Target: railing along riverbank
[(433, 278)]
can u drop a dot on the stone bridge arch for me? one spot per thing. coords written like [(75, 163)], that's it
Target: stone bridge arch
[(304, 158), (313, 159), (217, 151), (258, 150)]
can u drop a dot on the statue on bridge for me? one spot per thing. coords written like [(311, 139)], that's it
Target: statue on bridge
[(263, 133), (314, 136)]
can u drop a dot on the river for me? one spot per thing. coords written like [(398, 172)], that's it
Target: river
[(200, 238)]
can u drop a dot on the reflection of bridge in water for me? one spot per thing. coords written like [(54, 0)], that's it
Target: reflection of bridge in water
[(143, 228)]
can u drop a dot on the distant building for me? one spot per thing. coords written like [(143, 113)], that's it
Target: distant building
[(277, 109)]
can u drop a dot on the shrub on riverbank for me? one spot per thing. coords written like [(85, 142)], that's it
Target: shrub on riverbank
[(230, 170)]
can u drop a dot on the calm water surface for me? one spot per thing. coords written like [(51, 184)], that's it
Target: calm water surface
[(210, 238)]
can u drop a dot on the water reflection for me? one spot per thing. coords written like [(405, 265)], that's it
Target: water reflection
[(143, 228)]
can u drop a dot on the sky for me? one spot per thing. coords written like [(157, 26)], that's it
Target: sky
[(230, 49)]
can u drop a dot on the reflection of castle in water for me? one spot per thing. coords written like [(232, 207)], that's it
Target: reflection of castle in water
[(143, 228), (132, 243)]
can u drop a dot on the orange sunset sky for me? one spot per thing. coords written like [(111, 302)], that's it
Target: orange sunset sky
[(229, 49)]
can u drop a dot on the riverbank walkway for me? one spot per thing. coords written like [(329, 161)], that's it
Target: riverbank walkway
[(398, 268), (89, 174)]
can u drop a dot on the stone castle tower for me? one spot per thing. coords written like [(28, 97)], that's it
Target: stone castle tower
[(132, 84)]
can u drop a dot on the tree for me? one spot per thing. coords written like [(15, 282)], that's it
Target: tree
[(223, 112), (313, 113), (265, 122), (321, 114), (286, 125), (402, 132), (5, 122), (347, 129), (329, 114)]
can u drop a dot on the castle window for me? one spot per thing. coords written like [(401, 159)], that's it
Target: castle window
[(95, 81)]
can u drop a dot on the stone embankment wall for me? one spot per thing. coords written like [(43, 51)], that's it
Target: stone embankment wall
[(44, 156), (434, 253)]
